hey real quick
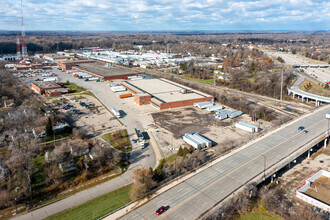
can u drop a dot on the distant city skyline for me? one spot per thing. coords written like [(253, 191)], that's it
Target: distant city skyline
[(166, 15)]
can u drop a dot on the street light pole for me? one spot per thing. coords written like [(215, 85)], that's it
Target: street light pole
[(281, 83), (264, 166)]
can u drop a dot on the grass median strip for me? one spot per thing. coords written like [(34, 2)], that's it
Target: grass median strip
[(207, 81), (259, 213), (119, 140), (97, 207)]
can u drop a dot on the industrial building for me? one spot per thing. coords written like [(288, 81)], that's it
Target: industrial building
[(67, 65), (164, 94), (49, 88), (105, 72)]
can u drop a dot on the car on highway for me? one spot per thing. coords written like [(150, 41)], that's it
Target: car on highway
[(301, 128), (305, 131), (160, 210)]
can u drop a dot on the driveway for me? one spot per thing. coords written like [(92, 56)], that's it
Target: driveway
[(134, 118)]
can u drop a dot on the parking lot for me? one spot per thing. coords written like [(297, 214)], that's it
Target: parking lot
[(85, 112), (132, 116)]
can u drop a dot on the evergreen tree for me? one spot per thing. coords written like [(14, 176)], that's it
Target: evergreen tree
[(49, 127), (180, 152)]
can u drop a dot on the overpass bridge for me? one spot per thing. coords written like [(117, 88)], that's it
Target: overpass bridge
[(306, 96), (252, 163)]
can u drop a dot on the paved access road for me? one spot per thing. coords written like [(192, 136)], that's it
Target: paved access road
[(295, 88), (191, 198), (138, 158)]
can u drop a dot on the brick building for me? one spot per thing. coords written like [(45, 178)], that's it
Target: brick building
[(164, 94), (106, 73), (67, 65)]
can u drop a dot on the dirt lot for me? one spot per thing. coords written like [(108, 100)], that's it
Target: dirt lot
[(95, 122), (320, 189), (295, 177), (169, 125)]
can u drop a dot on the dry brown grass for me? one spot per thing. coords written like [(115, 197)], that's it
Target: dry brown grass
[(320, 189), (311, 87)]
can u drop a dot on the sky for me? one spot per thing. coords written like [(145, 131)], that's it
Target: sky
[(167, 15)]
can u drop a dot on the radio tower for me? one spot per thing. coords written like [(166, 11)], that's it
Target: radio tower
[(18, 42), (24, 48)]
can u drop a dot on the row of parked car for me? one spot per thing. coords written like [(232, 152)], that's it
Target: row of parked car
[(87, 105)]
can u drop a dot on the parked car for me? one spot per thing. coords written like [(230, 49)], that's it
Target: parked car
[(160, 210), (142, 144)]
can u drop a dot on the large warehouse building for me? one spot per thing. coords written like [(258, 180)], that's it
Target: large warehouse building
[(104, 72), (164, 94)]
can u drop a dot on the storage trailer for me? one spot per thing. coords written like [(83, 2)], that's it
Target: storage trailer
[(202, 143), (247, 127), (191, 142), (203, 105), (50, 79), (198, 104), (214, 108), (118, 88), (235, 114), (92, 79), (207, 142), (125, 95), (85, 76)]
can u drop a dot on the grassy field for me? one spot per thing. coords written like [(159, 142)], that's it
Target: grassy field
[(119, 140), (58, 101), (259, 213), (73, 87), (39, 176), (78, 98), (208, 81), (97, 207), (170, 159), (57, 137), (311, 87)]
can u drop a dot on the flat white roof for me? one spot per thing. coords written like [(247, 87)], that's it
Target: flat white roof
[(166, 90)]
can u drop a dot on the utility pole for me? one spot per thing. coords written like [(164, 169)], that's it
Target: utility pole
[(18, 44), (281, 83), (214, 79), (24, 48)]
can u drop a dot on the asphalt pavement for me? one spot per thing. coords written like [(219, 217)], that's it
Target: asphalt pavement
[(138, 157), (298, 91), (320, 74), (196, 195)]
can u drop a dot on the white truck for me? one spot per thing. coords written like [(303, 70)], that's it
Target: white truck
[(115, 112), (142, 144), (92, 79), (85, 76)]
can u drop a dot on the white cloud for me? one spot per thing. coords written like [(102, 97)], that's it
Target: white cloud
[(170, 14)]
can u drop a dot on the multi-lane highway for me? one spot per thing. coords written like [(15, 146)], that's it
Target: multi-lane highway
[(194, 196), (320, 74)]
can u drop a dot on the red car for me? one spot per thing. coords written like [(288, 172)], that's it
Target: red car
[(160, 210)]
